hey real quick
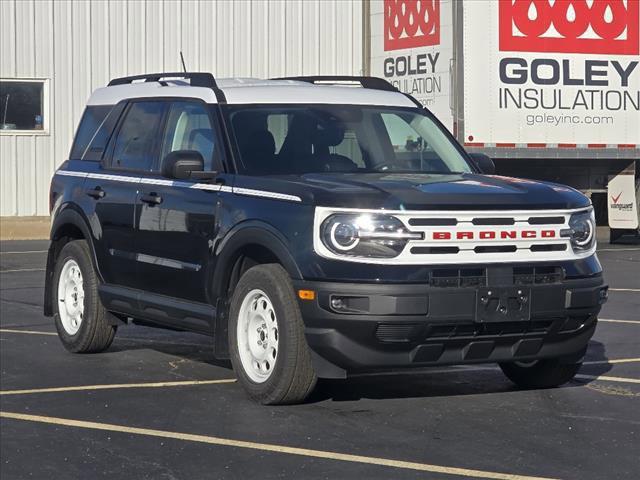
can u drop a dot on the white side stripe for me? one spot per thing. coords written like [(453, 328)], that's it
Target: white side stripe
[(181, 184)]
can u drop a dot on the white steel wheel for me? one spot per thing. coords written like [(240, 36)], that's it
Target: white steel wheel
[(257, 336), (71, 297)]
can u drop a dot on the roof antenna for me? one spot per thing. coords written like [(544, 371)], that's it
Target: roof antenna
[(184, 67)]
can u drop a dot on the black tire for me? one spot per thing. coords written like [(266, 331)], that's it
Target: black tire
[(292, 378), (96, 332), (547, 373)]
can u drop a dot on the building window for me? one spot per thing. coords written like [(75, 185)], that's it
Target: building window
[(23, 107)]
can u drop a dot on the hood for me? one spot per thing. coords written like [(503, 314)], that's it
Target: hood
[(396, 191)]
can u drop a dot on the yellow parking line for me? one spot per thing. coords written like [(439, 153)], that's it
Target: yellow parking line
[(611, 320), (79, 388), (23, 252), (23, 270), (267, 447), (608, 379), (27, 332), (612, 362)]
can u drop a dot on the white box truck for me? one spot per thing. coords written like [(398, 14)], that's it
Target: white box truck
[(550, 89)]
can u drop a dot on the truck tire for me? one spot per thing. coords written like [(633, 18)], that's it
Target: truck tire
[(547, 373), (81, 320), (268, 348)]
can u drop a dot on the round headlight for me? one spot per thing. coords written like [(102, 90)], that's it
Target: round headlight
[(344, 236), (581, 230), (365, 235)]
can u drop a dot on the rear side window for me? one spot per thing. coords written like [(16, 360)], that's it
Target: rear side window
[(91, 121), (135, 145)]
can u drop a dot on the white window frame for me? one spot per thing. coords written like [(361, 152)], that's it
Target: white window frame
[(45, 107)]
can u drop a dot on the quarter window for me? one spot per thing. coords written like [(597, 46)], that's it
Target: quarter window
[(134, 148), (189, 128)]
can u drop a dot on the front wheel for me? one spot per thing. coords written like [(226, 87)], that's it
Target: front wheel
[(268, 349), (547, 373)]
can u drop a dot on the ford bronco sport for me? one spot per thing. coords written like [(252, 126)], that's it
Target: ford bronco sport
[(314, 227)]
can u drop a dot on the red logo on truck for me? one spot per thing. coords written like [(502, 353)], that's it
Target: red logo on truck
[(570, 26), (411, 23)]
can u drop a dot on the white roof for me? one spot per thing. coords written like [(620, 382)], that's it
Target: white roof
[(253, 90)]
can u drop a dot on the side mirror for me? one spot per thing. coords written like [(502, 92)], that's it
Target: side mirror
[(181, 164), (484, 163)]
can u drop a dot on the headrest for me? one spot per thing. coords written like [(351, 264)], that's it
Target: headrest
[(262, 141), (328, 135)]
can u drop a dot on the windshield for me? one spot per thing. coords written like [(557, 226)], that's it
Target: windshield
[(299, 139)]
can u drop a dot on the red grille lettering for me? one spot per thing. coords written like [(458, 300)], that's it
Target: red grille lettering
[(528, 234), (548, 233), (570, 26), (441, 235), (411, 23), (463, 235), (508, 234), (487, 235)]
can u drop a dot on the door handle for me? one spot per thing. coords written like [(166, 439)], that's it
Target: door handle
[(96, 193), (151, 199)]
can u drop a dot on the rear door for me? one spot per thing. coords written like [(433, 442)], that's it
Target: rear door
[(177, 219), (114, 188)]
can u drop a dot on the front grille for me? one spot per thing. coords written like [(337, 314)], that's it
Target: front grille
[(477, 277), (397, 332), (458, 277), (537, 275), (463, 330)]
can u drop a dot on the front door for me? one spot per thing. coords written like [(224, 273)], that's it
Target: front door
[(177, 219), (114, 186)]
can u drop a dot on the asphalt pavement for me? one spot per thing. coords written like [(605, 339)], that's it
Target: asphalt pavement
[(158, 405)]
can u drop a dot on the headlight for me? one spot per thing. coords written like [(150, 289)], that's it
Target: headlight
[(365, 235), (581, 231)]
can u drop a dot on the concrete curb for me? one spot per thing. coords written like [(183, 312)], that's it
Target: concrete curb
[(24, 228)]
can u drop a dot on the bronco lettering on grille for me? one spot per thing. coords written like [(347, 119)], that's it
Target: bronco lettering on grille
[(493, 235)]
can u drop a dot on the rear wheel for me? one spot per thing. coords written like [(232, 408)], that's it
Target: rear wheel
[(81, 320), (268, 349), (547, 373)]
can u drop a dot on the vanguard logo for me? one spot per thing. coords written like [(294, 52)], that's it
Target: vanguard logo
[(411, 23), (570, 26)]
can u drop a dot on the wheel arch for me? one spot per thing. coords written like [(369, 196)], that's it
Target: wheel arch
[(250, 243), (68, 225)]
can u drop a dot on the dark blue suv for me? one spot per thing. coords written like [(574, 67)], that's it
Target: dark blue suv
[(313, 227)]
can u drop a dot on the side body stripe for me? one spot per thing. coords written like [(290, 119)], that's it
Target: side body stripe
[(182, 184)]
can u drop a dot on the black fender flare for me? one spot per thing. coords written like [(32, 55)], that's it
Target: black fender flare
[(252, 232), (68, 215)]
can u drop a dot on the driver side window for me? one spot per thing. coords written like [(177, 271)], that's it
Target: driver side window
[(189, 128)]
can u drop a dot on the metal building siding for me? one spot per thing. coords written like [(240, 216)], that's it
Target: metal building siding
[(78, 46)]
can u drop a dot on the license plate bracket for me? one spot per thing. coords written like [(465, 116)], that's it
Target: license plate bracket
[(503, 304)]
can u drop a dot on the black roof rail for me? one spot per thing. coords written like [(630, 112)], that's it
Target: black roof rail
[(196, 79), (374, 83)]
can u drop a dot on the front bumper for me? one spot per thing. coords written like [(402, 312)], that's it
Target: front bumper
[(378, 327)]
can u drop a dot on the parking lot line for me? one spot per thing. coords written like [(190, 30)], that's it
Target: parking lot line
[(80, 388), (24, 252), (268, 447), (26, 332), (608, 379), (611, 320), (612, 362), (619, 250), (23, 270)]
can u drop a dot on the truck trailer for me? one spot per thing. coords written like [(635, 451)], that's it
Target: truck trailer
[(550, 90)]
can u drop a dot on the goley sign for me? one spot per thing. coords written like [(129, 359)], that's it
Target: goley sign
[(557, 71), (408, 48)]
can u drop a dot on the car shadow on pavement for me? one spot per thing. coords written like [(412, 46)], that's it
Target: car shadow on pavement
[(443, 382)]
